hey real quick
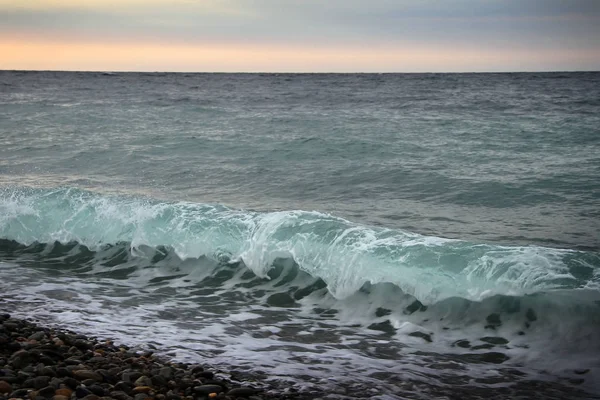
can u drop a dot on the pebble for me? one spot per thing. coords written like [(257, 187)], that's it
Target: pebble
[(87, 374), (47, 371), (47, 391), (143, 381), (241, 392), (96, 389), (119, 395), (81, 392), (37, 382), (63, 392), (20, 359), (91, 397), (123, 386), (166, 372), (5, 387), (142, 389), (38, 336), (207, 389), (19, 393)]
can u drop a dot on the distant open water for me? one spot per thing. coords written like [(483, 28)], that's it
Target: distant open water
[(378, 236)]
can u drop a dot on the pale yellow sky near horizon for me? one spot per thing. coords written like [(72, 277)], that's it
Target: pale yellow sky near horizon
[(295, 36), (64, 54)]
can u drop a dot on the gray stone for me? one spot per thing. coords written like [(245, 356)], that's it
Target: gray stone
[(172, 396), (143, 381), (166, 372), (70, 382), (55, 382), (96, 360), (208, 389), (84, 374), (10, 379), (47, 391), (21, 359), (38, 336), (19, 393), (118, 395), (123, 386), (11, 326), (205, 374), (47, 371), (130, 376), (159, 380), (25, 375), (37, 382), (83, 344), (81, 392), (97, 390), (241, 392)]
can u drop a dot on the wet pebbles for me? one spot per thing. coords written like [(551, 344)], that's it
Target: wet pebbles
[(38, 363)]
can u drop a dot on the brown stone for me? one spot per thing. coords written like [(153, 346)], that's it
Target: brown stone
[(5, 387), (60, 397), (142, 389), (63, 392), (84, 374)]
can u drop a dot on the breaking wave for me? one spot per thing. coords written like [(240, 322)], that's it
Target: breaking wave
[(344, 255)]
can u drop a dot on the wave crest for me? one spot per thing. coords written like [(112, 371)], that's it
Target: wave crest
[(343, 254)]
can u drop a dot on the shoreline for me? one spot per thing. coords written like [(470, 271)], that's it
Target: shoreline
[(40, 362)]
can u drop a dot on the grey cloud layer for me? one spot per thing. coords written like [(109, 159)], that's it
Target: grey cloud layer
[(544, 24)]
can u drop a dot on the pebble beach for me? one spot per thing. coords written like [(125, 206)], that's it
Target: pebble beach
[(38, 363)]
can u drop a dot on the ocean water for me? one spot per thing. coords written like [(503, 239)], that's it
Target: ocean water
[(348, 235)]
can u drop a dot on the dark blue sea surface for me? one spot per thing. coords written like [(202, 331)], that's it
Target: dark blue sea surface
[(374, 235)]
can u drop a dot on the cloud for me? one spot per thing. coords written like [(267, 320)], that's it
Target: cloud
[(568, 27), (334, 21)]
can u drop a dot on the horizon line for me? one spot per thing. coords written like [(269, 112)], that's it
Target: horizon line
[(304, 72)]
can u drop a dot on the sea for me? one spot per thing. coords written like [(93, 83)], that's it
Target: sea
[(341, 236)]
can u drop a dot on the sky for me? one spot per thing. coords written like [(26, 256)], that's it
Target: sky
[(300, 35)]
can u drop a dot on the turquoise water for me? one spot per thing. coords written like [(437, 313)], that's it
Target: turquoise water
[(313, 222)]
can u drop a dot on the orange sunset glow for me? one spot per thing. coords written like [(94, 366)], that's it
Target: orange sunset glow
[(230, 36)]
